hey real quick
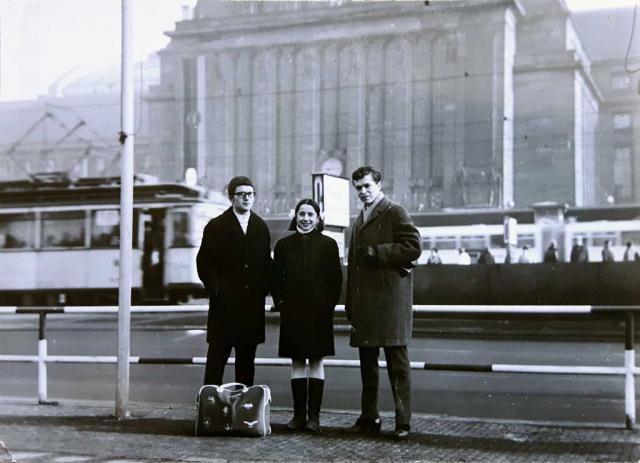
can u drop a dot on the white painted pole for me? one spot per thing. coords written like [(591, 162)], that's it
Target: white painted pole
[(42, 357), (629, 365), (126, 213)]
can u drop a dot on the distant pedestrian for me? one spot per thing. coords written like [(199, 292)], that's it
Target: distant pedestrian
[(307, 277), (628, 252), (434, 257), (575, 251), (383, 245), (507, 256), (583, 256), (524, 257), (463, 257), (234, 264), (551, 254), (607, 255), (486, 257)]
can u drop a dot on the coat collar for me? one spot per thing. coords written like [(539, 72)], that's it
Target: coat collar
[(379, 208), (233, 224)]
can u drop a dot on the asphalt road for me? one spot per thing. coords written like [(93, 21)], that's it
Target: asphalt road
[(549, 398)]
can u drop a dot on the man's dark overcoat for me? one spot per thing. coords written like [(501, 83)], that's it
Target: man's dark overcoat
[(380, 295), (307, 277), (235, 268)]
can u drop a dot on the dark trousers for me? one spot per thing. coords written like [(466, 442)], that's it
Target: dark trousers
[(218, 355), (399, 372)]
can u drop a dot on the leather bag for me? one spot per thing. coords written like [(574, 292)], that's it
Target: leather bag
[(233, 409)]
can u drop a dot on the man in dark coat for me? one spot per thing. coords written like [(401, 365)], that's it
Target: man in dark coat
[(607, 255), (551, 254), (575, 251), (583, 256), (486, 257), (234, 264), (379, 298)]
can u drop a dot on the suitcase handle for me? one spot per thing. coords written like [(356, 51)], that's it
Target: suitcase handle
[(232, 387)]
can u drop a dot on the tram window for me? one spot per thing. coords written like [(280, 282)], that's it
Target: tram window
[(63, 229), (444, 242), (526, 240), (180, 229), (633, 236), (472, 242), (496, 241), (598, 239), (16, 231), (105, 228)]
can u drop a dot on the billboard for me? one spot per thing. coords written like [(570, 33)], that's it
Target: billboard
[(332, 194)]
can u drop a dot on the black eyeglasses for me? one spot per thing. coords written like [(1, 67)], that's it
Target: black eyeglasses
[(245, 194)]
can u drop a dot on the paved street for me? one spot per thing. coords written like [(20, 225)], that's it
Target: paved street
[(77, 433), (533, 397)]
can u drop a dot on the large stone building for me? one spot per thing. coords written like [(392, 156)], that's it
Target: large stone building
[(619, 111), (461, 104), (278, 90), (470, 103)]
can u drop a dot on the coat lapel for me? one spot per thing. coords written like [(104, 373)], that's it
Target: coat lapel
[(232, 223), (382, 206)]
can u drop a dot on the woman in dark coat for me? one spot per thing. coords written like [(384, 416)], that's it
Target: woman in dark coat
[(306, 285)]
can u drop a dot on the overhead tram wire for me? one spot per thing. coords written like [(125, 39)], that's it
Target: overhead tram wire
[(628, 69)]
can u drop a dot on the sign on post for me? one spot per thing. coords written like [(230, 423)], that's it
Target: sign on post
[(510, 231), (332, 195)]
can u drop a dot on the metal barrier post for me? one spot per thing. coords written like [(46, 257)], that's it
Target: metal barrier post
[(42, 354), (629, 366)]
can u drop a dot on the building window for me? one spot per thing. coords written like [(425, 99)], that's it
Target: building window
[(621, 121), (622, 172), (620, 82)]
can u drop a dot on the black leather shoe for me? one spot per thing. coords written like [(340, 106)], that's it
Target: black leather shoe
[(401, 433), (363, 425)]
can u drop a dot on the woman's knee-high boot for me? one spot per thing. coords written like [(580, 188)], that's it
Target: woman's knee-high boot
[(299, 390), (316, 387)]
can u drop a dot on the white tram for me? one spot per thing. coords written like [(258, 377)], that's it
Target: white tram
[(59, 240), (449, 238)]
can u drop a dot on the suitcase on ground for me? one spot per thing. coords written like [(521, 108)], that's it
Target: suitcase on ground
[(233, 409)]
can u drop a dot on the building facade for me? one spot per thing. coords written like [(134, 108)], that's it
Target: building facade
[(278, 90), (478, 103)]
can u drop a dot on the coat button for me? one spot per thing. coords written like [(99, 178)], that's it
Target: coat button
[(246, 265), (246, 286)]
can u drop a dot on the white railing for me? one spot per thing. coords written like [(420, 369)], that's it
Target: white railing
[(629, 370)]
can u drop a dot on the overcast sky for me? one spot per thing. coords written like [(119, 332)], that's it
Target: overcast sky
[(42, 40)]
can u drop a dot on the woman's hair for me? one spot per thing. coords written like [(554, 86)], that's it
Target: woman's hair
[(309, 202)]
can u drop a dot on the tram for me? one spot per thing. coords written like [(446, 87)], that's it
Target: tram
[(59, 240), (474, 230)]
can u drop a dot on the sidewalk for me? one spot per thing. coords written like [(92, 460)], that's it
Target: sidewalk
[(72, 432)]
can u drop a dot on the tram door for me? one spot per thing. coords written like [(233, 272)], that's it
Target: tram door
[(153, 254)]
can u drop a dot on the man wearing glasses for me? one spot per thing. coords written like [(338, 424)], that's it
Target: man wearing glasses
[(234, 264)]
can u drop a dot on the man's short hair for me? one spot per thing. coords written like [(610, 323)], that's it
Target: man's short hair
[(363, 171), (235, 182)]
